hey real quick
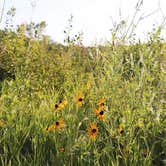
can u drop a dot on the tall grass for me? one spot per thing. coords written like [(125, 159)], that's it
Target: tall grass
[(45, 84)]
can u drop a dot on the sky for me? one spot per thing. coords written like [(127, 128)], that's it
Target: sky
[(94, 18)]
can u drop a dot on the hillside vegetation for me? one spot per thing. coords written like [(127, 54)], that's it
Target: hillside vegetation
[(76, 105)]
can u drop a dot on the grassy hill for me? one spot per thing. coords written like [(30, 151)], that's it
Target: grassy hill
[(76, 105)]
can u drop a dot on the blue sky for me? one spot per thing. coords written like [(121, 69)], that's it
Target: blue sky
[(92, 17)]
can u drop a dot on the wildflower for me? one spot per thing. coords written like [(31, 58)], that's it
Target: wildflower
[(80, 100), (121, 128), (65, 102), (58, 125), (100, 114), (56, 108), (62, 104), (93, 131), (59, 106), (62, 149), (48, 129), (101, 102)]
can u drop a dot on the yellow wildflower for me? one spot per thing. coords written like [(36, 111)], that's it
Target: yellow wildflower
[(92, 131), (101, 102), (59, 106), (121, 128), (100, 113), (58, 125), (80, 100), (62, 149)]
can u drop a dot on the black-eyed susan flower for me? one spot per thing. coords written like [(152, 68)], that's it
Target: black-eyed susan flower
[(56, 106), (62, 149), (92, 131), (101, 102), (62, 104), (58, 125), (121, 128), (59, 106), (80, 100), (100, 113), (48, 129)]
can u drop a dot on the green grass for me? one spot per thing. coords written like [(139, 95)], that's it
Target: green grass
[(129, 78)]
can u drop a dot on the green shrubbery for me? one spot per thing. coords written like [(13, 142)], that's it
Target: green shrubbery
[(37, 76)]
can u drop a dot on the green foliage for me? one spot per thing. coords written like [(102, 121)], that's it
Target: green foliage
[(38, 74)]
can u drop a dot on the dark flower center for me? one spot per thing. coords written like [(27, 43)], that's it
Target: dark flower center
[(56, 106), (121, 131), (101, 112), (94, 130), (57, 123), (80, 99), (102, 104)]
